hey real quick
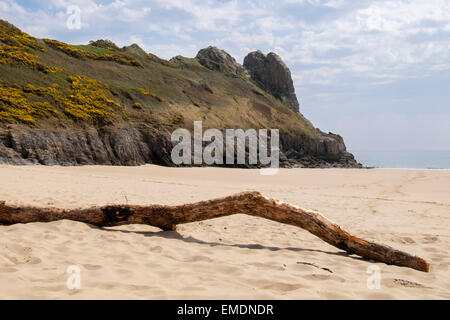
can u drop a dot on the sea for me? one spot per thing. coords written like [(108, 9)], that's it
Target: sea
[(404, 159)]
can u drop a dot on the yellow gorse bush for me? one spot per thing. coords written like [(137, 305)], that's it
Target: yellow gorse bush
[(12, 36), (15, 106), (17, 56), (87, 99), (147, 93), (177, 119), (137, 105), (84, 55), (15, 46)]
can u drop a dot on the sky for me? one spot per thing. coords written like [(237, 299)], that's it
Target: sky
[(377, 72)]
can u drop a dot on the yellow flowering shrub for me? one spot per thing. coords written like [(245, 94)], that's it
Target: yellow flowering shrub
[(177, 119), (15, 46), (147, 93), (43, 91), (54, 69), (137, 105), (12, 36), (15, 106), (87, 99), (16, 56), (84, 55)]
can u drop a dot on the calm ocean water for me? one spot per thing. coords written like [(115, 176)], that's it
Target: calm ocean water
[(404, 159)]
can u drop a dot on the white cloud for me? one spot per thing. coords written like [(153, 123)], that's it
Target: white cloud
[(372, 39)]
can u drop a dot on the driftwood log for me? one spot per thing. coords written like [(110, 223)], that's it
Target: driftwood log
[(250, 203)]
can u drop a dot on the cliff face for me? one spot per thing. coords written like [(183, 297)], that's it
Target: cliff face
[(131, 146), (126, 146), (100, 104), (271, 74)]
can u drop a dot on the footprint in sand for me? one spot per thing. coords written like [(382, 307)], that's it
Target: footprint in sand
[(21, 255), (92, 266), (283, 287), (403, 240), (156, 249), (275, 285), (395, 283), (106, 286), (122, 272), (198, 259), (228, 269), (430, 239)]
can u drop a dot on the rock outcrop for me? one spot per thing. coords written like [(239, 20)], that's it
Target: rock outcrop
[(135, 50), (127, 146), (268, 72), (218, 60), (132, 146), (271, 74), (322, 151)]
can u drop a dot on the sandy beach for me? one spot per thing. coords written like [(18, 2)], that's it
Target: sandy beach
[(236, 257)]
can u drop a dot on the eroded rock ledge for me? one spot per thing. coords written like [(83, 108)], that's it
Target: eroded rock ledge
[(132, 146)]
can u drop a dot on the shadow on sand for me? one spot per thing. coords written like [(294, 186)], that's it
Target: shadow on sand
[(190, 239)]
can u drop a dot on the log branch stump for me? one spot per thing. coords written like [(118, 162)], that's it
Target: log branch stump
[(250, 203)]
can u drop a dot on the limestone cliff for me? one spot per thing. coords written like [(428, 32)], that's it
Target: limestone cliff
[(270, 73)]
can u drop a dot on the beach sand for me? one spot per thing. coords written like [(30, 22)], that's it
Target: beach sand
[(236, 257)]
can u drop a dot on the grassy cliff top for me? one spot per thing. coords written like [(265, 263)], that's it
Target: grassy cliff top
[(46, 83)]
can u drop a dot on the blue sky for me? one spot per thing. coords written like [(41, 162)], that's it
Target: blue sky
[(376, 72)]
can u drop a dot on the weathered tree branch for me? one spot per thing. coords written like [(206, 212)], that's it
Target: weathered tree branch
[(250, 203)]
